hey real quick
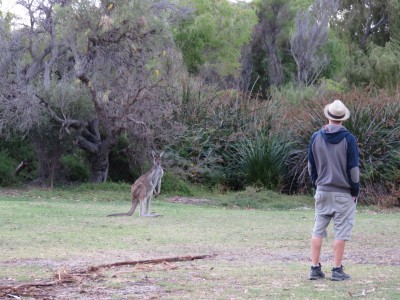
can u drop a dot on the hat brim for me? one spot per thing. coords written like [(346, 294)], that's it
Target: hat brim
[(346, 115)]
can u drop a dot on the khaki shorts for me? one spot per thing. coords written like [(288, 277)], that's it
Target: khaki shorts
[(337, 206)]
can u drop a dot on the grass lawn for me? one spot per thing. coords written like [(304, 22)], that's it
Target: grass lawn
[(259, 253)]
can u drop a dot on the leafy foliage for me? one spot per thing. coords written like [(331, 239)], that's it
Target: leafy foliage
[(215, 121), (15, 151), (172, 184), (7, 168), (212, 38), (309, 39), (111, 77), (75, 169), (375, 122), (259, 161), (97, 70)]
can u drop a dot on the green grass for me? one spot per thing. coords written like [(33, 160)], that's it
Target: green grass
[(261, 253)]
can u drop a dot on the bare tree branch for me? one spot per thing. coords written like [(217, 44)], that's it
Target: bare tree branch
[(309, 38)]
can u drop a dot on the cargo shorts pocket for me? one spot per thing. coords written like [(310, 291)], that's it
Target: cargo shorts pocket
[(343, 202), (321, 204)]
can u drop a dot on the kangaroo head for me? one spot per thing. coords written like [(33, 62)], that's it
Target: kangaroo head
[(157, 158)]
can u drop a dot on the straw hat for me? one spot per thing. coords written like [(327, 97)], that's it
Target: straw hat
[(336, 111)]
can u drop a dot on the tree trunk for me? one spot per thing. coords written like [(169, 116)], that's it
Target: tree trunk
[(98, 149), (275, 66), (48, 152), (99, 163)]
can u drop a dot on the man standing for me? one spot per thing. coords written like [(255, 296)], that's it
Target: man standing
[(334, 170)]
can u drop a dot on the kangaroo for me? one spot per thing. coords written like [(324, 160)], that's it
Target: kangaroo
[(144, 187)]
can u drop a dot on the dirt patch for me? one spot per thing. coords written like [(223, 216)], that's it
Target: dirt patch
[(10, 192), (188, 200), (88, 283)]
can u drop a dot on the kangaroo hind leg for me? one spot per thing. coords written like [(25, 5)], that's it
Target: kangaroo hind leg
[(148, 213)]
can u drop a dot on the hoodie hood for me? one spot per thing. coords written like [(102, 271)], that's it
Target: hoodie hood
[(333, 134)]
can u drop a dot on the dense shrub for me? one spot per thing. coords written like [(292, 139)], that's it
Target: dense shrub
[(215, 121), (170, 183), (7, 169), (18, 150), (375, 121), (258, 161), (75, 168), (376, 124), (121, 167)]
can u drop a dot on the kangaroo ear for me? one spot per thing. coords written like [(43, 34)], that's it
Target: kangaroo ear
[(161, 154), (153, 153)]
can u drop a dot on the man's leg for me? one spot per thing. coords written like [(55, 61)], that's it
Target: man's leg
[(315, 270), (316, 245), (322, 219), (343, 224), (337, 271), (338, 249)]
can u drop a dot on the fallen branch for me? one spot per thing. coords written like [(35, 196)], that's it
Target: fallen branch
[(20, 167), (147, 268), (149, 261), (363, 293), (64, 276), (25, 289)]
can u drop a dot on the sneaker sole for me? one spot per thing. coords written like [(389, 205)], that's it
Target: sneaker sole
[(339, 279)]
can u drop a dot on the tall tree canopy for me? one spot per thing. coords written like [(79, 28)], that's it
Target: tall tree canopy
[(96, 69), (212, 39), (370, 30), (309, 39), (366, 20)]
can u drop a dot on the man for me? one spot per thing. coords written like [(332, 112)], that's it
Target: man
[(334, 170)]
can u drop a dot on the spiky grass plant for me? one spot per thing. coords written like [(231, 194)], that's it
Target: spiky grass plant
[(259, 161), (375, 122), (377, 129)]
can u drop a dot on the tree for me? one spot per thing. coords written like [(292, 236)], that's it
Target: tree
[(264, 58), (96, 69), (212, 38), (273, 16), (309, 38), (371, 31), (365, 20)]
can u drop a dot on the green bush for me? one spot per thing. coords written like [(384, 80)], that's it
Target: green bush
[(377, 128), (259, 161), (375, 122), (122, 168), (171, 184), (19, 149), (215, 121), (105, 186), (75, 169), (258, 198), (7, 169)]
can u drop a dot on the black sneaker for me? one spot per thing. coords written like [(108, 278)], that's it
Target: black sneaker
[(339, 275), (316, 273)]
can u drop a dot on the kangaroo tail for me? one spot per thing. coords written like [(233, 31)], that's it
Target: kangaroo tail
[(129, 213)]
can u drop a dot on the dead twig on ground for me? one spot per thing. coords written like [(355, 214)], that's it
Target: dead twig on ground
[(149, 261), (65, 276), (363, 293), (147, 268)]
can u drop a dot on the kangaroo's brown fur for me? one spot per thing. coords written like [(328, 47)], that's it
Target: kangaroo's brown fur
[(144, 187)]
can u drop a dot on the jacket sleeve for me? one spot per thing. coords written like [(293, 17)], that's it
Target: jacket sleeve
[(353, 170), (312, 169)]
